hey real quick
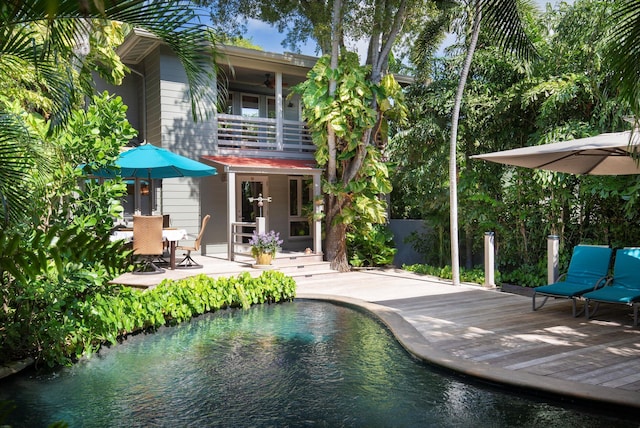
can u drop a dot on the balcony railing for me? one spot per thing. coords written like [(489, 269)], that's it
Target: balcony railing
[(256, 133)]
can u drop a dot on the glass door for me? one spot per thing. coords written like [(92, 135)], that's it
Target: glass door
[(246, 210)]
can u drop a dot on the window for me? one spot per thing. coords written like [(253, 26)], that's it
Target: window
[(300, 206), (271, 107), (250, 106)]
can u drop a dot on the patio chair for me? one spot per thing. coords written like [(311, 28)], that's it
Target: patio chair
[(623, 288), (187, 262), (587, 271), (147, 242)]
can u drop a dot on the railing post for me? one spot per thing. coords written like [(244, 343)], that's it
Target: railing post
[(489, 260), (261, 225), (553, 249)]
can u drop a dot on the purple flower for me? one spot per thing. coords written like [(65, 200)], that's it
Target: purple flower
[(265, 243)]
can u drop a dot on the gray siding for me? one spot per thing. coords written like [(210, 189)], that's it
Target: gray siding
[(213, 200), (179, 133), (130, 97), (152, 89)]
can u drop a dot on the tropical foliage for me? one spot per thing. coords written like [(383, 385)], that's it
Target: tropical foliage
[(568, 92), (60, 254), (371, 245), (348, 113), (63, 328), (54, 249)]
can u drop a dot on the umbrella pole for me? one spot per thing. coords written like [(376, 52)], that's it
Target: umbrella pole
[(152, 192)]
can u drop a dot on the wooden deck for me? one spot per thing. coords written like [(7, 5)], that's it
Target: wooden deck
[(497, 336)]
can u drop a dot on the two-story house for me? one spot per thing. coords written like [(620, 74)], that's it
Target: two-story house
[(257, 142)]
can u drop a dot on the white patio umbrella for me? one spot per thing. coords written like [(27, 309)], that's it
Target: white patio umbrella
[(604, 154)]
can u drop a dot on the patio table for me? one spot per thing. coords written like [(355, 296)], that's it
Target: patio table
[(171, 235)]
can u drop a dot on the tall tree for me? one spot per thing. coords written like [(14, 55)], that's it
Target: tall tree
[(334, 25), (503, 21)]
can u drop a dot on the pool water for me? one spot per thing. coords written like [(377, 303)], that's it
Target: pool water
[(303, 363)]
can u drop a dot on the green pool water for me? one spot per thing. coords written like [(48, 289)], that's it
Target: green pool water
[(296, 364)]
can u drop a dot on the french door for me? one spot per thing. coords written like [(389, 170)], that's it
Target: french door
[(246, 210)]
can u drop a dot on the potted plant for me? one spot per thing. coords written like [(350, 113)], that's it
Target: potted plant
[(264, 246)]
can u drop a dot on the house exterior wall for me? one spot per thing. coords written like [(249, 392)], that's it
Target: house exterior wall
[(181, 197), (213, 199), (152, 103), (160, 88)]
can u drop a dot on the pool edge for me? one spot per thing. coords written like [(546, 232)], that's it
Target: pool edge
[(418, 346)]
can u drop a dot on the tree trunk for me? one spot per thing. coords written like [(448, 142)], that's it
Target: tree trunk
[(335, 241), (335, 235), (453, 164), (336, 246)]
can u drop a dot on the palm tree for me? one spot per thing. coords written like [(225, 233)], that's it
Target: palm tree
[(49, 41), (503, 24)]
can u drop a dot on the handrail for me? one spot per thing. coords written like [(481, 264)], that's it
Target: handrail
[(237, 238)]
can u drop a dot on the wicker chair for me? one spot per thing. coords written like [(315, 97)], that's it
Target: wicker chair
[(188, 262), (147, 242)]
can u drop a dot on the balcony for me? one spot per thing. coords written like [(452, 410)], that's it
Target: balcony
[(262, 136)]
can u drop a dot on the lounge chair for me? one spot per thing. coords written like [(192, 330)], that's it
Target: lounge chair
[(587, 271), (147, 242), (188, 262), (623, 288)]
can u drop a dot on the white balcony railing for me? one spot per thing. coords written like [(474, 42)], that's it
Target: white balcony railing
[(257, 133)]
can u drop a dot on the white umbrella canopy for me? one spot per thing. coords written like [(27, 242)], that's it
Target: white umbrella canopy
[(604, 154)]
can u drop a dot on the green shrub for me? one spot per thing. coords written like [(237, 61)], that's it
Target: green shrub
[(526, 275), (63, 329), (475, 275), (372, 245)]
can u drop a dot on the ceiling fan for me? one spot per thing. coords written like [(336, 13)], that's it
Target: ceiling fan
[(270, 82)]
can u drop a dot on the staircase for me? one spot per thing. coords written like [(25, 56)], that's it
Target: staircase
[(301, 264)]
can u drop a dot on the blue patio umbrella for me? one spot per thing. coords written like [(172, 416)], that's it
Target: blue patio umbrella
[(150, 162)]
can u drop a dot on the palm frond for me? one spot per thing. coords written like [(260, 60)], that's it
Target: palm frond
[(506, 28), (68, 21), (623, 50), (16, 159)]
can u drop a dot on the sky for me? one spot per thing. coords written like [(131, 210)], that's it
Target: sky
[(266, 36)]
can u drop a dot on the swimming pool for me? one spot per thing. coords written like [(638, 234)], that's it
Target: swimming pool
[(303, 363)]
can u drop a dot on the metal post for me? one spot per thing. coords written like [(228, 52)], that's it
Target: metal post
[(489, 260), (553, 250)]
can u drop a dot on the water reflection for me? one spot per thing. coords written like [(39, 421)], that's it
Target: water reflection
[(302, 363)]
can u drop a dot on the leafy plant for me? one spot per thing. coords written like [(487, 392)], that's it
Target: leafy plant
[(525, 276), (475, 275), (65, 327), (371, 245)]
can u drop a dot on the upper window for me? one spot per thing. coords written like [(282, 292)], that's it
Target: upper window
[(250, 106)]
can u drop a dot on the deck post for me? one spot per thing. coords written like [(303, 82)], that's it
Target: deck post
[(553, 247), (231, 213), (318, 207), (489, 260)]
